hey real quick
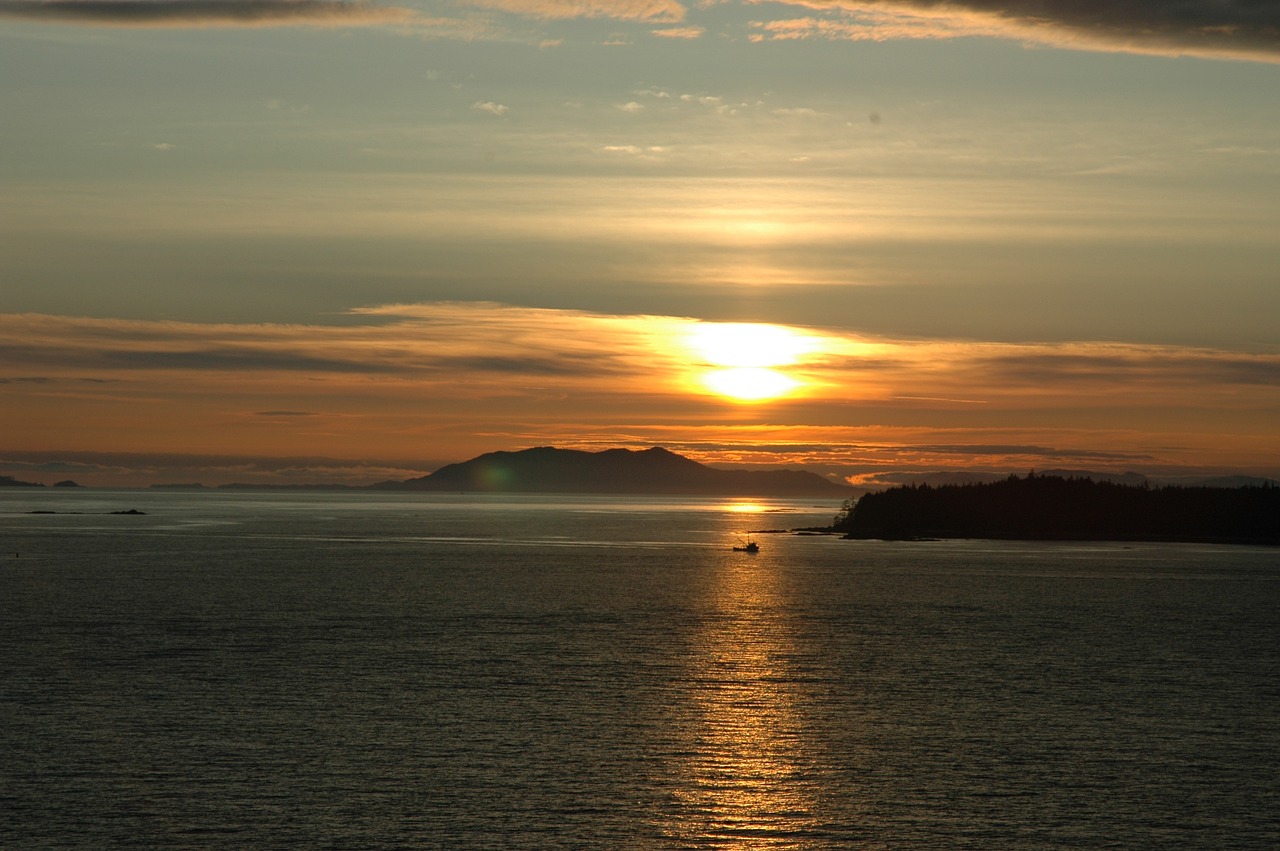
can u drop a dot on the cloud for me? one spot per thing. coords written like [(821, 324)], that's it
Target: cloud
[(648, 152), (476, 339), (797, 112), (680, 32), (490, 107), (480, 342), (469, 338), (177, 357), (566, 365), (1116, 364), (1032, 451), (1242, 29), (207, 13), (649, 11), (141, 469), (456, 375)]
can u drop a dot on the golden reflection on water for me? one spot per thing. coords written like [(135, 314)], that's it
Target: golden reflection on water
[(743, 772)]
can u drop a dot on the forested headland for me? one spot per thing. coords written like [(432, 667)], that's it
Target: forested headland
[(1055, 508)]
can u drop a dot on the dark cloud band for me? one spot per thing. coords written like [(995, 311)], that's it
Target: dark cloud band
[(1149, 16), (1193, 26), (197, 13)]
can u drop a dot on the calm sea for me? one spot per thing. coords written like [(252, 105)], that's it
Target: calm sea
[(247, 670)]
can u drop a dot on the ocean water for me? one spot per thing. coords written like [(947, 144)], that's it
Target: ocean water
[(321, 670)]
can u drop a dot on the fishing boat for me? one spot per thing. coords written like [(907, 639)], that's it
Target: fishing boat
[(749, 547)]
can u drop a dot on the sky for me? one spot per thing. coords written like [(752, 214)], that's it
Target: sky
[(311, 241)]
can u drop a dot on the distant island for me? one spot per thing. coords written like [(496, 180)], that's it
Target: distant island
[(546, 469), (11, 482), (1055, 508)]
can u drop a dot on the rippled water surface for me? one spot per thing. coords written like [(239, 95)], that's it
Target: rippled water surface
[(379, 671)]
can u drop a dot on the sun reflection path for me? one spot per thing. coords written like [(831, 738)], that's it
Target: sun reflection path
[(744, 779), (744, 507)]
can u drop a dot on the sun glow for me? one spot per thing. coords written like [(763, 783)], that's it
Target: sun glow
[(748, 358), (748, 344), (749, 383)]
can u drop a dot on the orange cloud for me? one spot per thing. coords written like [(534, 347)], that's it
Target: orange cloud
[(680, 32), (650, 11), (445, 339), (456, 376)]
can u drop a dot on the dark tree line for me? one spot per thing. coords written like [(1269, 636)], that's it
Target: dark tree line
[(1055, 508)]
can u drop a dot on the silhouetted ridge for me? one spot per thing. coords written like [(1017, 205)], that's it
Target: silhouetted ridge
[(545, 469), (1054, 508)]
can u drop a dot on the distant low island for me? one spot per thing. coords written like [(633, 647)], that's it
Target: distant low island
[(546, 469), (11, 482), (1054, 508)]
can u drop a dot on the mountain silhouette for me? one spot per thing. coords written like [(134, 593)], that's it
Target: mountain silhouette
[(546, 469)]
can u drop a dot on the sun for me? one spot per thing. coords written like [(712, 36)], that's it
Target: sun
[(746, 358), (749, 383), (749, 344)]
